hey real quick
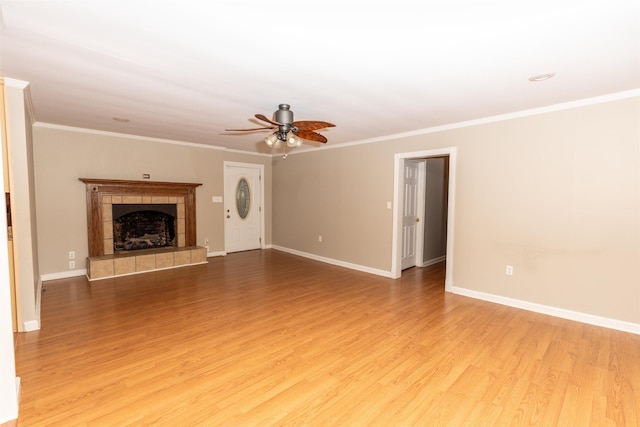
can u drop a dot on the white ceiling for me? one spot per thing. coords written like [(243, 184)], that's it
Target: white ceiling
[(186, 70)]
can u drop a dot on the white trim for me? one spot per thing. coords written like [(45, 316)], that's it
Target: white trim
[(214, 254), (20, 84), (143, 138), (396, 241), (485, 120), (337, 262), (590, 319), (422, 201), (38, 299), (30, 325), (63, 275), (439, 128), (8, 389), (433, 261)]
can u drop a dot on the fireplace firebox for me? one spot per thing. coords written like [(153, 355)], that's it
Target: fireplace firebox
[(143, 226)]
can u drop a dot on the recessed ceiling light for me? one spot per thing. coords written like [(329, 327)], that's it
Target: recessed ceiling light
[(541, 77), (120, 119)]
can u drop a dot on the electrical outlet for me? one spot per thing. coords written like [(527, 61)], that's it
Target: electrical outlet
[(509, 270), (206, 241), (72, 254), (72, 264), (319, 238)]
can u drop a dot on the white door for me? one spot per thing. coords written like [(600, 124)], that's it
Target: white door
[(242, 207), (413, 208)]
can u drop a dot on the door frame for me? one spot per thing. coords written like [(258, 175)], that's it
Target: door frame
[(398, 199), (260, 167)]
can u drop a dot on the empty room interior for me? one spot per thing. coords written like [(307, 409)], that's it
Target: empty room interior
[(343, 214)]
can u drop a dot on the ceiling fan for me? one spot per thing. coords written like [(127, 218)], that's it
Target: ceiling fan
[(287, 131)]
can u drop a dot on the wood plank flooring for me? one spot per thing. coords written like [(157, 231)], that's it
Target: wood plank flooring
[(268, 338)]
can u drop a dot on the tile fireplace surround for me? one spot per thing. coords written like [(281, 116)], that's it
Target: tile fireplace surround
[(102, 194)]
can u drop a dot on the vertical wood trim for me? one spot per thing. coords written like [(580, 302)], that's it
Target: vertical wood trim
[(94, 221), (190, 217)]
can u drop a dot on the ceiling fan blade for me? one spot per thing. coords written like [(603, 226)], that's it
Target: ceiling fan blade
[(265, 119), (311, 136), (312, 125), (249, 130)]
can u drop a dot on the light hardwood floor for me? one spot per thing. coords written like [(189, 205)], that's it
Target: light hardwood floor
[(268, 338)]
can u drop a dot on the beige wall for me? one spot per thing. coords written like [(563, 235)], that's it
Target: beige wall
[(556, 195), (64, 155), (341, 195)]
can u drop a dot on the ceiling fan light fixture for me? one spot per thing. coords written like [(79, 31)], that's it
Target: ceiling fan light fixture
[(292, 139), (271, 139)]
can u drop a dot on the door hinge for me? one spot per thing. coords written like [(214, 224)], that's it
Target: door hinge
[(260, 240)]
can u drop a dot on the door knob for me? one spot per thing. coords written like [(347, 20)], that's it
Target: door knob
[(417, 219)]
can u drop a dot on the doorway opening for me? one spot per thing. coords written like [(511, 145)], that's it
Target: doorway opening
[(402, 163)]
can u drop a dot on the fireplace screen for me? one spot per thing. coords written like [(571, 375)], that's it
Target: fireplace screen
[(143, 226)]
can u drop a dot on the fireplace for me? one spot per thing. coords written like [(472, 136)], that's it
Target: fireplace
[(144, 226), (139, 226)]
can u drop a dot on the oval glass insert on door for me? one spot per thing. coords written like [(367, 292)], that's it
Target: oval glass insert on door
[(243, 198)]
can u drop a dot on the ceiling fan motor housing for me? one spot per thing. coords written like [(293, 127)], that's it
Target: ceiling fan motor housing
[(284, 114)]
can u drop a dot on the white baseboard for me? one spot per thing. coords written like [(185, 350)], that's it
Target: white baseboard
[(64, 275), (590, 319), (332, 261), (219, 253), (433, 261), (30, 325)]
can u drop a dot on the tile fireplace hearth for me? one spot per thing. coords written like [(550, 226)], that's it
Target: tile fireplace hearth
[(107, 257)]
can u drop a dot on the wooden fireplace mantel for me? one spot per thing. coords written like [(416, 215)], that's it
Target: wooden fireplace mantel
[(97, 189)]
